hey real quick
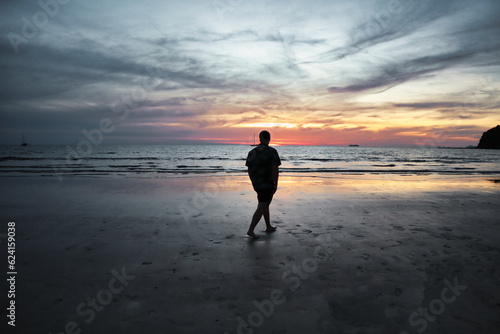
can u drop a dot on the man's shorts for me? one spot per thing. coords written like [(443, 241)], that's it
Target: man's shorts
[(265, 195)]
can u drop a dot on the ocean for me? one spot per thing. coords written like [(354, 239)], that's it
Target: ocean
[(162, 160)]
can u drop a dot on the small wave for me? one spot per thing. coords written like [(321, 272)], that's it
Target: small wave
[(70, 157), (389, 165), (19, 158), (411, 160), (207, 158)]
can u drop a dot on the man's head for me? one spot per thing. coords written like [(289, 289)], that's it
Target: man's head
[(265, 137)]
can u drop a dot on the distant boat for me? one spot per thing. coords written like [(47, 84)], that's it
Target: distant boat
[(354, 145), (23, 143), (254, 141)]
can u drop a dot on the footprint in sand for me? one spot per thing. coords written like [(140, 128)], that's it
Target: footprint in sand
[(398, 291), (360, 271)]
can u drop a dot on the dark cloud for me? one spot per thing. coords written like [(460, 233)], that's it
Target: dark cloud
[(386, 23), (464, 43), (433, 105), (395, 73)]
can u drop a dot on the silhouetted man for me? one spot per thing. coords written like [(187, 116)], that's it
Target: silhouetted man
[(262, 163)]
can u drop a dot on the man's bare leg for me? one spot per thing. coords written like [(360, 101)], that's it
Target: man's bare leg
[(269, 228), (262, 210), (259, 212)]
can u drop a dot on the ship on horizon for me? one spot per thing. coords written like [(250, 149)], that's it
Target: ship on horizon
[(254, 141)]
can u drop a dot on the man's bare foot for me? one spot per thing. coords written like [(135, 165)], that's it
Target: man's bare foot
[(252, 235), (272, 229)]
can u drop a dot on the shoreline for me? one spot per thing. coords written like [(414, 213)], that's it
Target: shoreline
[(61, 174), (351, 254)]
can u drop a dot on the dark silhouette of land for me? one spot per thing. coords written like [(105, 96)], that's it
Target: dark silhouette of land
[(490, 139)]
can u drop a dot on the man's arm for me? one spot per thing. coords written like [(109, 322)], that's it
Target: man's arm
[(276, 173)]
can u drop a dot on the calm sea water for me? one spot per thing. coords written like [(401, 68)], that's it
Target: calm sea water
[(157, 160)]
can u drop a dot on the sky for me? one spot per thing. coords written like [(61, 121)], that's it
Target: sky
[(372, 73)]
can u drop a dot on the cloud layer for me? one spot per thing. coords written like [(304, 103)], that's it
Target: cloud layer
[(323, 72)]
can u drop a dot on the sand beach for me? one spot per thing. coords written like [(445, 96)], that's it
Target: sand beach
[(352, 254)]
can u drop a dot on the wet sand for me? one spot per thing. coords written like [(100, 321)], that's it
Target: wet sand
[(352, 254)]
